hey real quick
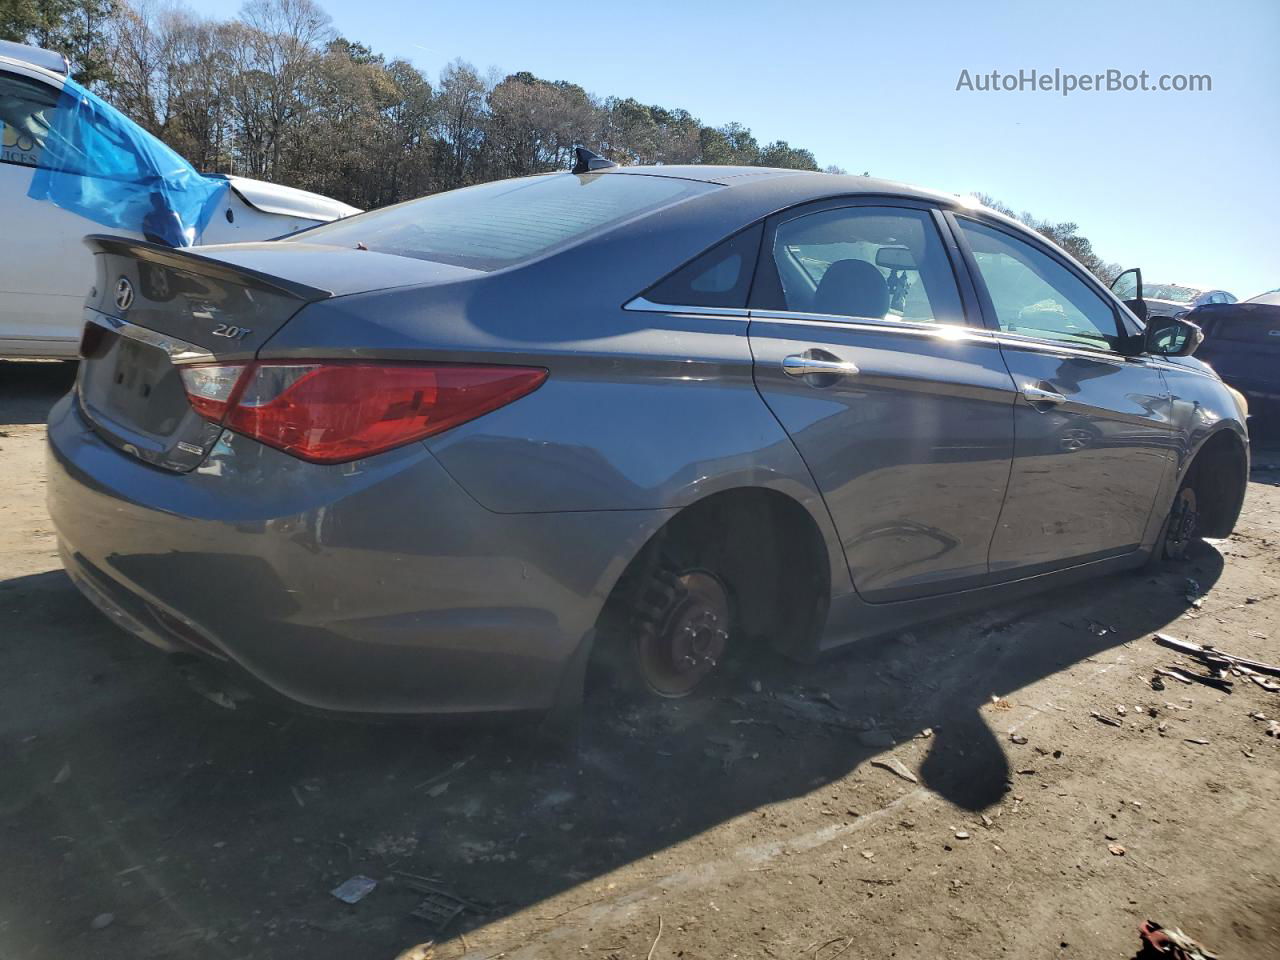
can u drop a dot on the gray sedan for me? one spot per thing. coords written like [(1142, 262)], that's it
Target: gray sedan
[(418, 460)]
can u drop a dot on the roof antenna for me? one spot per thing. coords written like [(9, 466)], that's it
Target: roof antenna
[(587, 161)]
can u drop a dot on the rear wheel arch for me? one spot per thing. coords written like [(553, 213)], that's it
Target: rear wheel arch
[(766, 547)]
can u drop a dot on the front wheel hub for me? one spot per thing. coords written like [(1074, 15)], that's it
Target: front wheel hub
[(1182, 524), (690, 639)]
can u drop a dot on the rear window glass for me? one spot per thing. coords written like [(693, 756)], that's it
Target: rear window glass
[(499, 224)]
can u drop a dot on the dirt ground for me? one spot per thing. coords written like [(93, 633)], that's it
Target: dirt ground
[(139, 819)]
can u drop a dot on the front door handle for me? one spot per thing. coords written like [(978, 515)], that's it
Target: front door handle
[(803, 365), (1037, 395)]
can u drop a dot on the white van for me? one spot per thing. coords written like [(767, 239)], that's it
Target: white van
[(47, 205)]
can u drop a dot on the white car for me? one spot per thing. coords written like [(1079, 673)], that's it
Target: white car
[(1176, 299), (71, 165)]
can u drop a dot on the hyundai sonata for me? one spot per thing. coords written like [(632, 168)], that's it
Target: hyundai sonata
[(408, 461)]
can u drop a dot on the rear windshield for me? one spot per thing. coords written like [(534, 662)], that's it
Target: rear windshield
[(497, 224)]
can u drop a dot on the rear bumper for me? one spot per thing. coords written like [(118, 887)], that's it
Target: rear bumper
[(374, 587)]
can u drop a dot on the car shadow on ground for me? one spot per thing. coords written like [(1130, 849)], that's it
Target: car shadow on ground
[(28, 388), (208, 831)]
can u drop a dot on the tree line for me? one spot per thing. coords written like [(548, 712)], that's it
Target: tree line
[(277, 94)]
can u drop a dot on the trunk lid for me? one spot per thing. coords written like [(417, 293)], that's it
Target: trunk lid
[(155, 309)]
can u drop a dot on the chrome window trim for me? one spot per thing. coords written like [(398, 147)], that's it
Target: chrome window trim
[(949, 331), (1015, 341), (179, 351), (648, 306)]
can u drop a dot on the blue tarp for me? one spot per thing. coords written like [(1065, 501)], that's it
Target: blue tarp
[(100, 164)]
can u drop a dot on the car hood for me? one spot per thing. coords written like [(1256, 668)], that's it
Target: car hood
[(289, 201)]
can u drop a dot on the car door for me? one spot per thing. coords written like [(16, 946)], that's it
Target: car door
[(871, 355), (1092, 432)]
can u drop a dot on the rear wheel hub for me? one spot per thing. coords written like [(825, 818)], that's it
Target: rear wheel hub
[(689, 639)]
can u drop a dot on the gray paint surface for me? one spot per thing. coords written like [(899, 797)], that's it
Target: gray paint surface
[(464, 572)]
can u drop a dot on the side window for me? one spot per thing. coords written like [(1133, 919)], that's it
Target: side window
[(1035, 295), (26, 112), (876, 262), (720, 277)]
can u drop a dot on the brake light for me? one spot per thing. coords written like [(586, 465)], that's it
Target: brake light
[(333, 412)]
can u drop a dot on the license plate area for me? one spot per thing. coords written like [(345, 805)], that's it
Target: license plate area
[(132, 393)]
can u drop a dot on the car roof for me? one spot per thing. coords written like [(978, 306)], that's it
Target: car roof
[(798, 181), (20, 53), (749, 193)]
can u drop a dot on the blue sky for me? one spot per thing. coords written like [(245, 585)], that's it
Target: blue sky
[(1182, 184)]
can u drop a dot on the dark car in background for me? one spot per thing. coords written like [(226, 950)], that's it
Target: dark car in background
[(1242, 343)]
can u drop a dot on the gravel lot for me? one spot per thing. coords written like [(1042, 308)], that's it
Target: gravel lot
[(138, 818)]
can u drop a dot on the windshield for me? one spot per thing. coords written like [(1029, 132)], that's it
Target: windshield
[(498, 224), (1170, 291)]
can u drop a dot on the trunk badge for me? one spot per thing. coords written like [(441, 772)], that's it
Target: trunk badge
[(124, 293)]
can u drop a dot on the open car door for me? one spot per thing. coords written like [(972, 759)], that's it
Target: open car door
[(1128, 287)]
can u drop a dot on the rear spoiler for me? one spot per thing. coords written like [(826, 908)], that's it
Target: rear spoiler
[(183, 259)]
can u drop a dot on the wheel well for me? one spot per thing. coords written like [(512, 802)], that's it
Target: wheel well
[(1219, 475), (768, 549)]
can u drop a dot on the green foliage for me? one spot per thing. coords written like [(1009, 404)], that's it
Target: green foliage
[(75, 28), (277, 94), (1067, 235)]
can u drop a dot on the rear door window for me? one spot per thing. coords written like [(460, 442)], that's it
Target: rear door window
[(866, 261), (500, 224)]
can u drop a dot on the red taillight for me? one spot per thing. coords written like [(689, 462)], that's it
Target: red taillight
[(333, 412)]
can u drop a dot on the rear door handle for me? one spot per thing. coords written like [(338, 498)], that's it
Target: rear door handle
[(1036, 395), (801, 365)]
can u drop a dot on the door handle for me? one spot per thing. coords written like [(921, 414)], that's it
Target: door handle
[(1036, 395), (800, 365)]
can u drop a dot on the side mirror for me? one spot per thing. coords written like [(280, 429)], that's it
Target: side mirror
[(1128, 287), (1171, 337)]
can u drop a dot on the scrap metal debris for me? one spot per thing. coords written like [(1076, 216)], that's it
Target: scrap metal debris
[(439, 909), (1213, 657), (354, 889), (895, 767), (1103, 718), (1171, 944), (1207, 679), (440, 906)]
